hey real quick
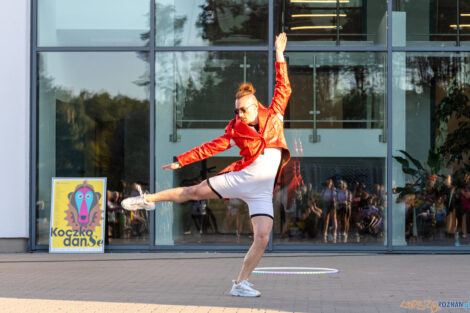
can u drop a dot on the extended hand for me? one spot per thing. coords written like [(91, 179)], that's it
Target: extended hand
[(171, 166), (280, 44)]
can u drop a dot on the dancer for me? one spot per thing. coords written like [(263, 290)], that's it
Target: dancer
[(259, 133)]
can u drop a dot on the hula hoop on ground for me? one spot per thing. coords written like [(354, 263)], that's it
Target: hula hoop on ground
[(295, 270)]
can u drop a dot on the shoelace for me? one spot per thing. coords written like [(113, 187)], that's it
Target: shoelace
[(246, 282)]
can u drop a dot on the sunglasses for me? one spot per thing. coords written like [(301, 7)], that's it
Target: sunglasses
[(243, 110)]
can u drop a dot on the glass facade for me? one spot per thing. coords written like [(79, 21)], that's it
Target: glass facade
[(93, 23), (377, 123), (431, 143), (335, 23), (211, 22), (93, 110), (433, 22)]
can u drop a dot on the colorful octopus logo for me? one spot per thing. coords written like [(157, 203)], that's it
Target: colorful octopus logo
[(84, 210)]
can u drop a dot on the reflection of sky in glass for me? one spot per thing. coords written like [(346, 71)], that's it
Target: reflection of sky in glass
[(102, 14), (91, 22), (188, 9), (115, 73)]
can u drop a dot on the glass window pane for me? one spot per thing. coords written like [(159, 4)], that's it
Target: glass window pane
[(431, 22), (195, 99), (204, 84), (337, 90), (431, 139), (330, 200), (333, 189), (332, 22), (93, 121), (211, 22), (93, 23)]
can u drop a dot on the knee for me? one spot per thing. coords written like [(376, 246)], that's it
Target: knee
[(262, 239), (192, 192)]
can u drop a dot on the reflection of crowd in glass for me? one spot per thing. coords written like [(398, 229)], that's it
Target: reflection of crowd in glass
[(121, 223), (440, 211), (335, 213)]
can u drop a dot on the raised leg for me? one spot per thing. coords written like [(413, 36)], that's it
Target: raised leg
[(183, 194)]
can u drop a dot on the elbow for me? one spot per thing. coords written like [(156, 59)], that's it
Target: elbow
[(288, 92)]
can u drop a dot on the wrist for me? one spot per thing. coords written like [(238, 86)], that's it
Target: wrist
[(280, 57)]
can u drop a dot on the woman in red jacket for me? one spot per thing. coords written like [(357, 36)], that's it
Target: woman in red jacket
[(259, 133)]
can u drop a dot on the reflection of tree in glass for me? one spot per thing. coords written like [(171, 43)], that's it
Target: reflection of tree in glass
[(106, 136), (98, 134), (227, 21), (169, 28), (212, 95), (344, 92), (455, 105), (452, 113), (206, 82)]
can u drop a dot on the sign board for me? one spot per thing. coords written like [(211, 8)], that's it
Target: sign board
[(77, 215)]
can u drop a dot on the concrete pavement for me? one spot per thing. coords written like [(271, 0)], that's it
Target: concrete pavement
[(200, 282)]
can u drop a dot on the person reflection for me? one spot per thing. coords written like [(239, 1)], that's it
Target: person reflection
[(465, 203), (198, 214), (312, 216), (114, 210), (344, 198), (328, 197), (233, 216), (447, 198)]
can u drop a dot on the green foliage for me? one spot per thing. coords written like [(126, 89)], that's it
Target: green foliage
[(420, 173), (455, 104)]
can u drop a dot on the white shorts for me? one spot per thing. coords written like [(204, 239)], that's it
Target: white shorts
[(253, 184)]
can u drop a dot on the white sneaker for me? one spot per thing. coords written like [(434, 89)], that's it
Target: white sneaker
[(136, 203), (243, 289)]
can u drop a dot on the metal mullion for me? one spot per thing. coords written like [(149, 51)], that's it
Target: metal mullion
[(32, 126), (295, 48), (270, 76), (431, 49), (93, 49), (431, 249), (202, 248), (152, 118), (211, 48), (389, 126), (136, 247), (329, 248)]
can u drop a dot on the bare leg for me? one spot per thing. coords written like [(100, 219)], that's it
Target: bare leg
[(335, 225), (262, 226), (464, 225), (346, 227), (183, 194), (326, 220)]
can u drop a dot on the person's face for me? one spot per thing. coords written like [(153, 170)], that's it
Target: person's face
[(247, 109), (448, 180)]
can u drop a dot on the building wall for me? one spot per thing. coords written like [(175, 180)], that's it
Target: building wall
[(14, 124)]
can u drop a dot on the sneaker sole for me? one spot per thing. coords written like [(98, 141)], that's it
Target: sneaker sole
[(240, 295)]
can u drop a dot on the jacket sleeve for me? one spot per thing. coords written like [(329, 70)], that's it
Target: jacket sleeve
[(283, 90), (206, 150)]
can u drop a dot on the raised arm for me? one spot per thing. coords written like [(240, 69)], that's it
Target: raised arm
[(283, 90)]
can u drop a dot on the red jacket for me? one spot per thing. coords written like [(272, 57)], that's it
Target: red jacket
[(250, 142)]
